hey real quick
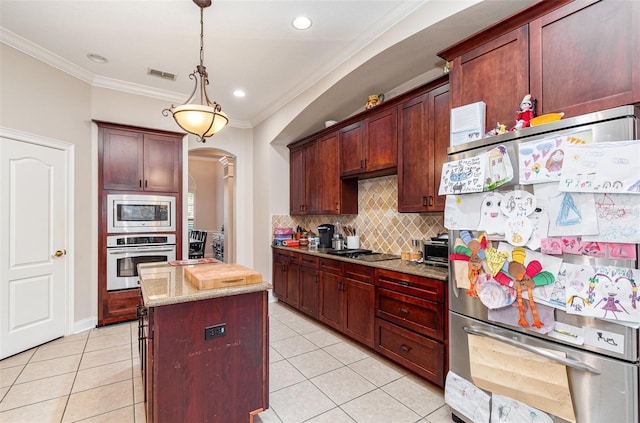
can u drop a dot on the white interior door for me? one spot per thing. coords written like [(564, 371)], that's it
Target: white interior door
[(33, 261)]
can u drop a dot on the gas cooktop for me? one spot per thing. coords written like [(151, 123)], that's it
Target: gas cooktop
[(362, 254)]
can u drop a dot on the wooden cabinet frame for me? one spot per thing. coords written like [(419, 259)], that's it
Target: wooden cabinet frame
[(144, 152)]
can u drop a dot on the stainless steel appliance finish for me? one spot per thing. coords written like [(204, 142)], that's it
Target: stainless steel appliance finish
[(363, 255), (604, 381), (436, 251), (602, 387), (127, 213), (125, 252)]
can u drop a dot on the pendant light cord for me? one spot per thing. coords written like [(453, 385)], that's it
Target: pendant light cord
[(201, 36)]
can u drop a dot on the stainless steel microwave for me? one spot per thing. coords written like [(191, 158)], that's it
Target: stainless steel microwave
[(140, 213)]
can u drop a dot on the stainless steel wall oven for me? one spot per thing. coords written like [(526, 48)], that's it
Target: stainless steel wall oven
[(125, 252)]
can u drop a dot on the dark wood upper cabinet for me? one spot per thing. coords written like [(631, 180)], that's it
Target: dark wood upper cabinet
[(122, 158), (370, 147), (423, 139), (497, 73), (352, 149), (574, 57), (585, 57), (381, 140), (138, 161), (439, 134), (161, 163), (304, 171), (336, 196)]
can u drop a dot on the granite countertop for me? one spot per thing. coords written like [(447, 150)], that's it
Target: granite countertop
[(162, 284), (418, 269)]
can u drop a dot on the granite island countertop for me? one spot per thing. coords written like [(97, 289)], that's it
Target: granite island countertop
[(417, 269), (163, 284)]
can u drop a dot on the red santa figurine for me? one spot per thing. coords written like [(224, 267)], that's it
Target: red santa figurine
[(525, 114)]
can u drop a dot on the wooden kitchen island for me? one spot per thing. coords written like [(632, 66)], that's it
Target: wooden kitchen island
[(203, 352)]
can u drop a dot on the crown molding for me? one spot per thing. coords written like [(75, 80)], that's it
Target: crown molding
[(29, 48)]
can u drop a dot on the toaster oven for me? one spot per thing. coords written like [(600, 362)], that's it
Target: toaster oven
[(436, 251)]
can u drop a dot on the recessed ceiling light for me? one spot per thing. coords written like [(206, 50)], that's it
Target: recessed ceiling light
[(97, 58), (301, 22), (239, 93)]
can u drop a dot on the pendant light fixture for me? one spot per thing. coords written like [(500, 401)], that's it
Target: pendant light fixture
[(205, 118)]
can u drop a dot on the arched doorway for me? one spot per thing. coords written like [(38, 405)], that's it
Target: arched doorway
[(210, 200)]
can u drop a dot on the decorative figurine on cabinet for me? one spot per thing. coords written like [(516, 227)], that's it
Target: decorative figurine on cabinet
[(525, 114), (373, 101)]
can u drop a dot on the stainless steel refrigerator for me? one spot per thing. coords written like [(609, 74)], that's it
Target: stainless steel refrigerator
[(603, 381)]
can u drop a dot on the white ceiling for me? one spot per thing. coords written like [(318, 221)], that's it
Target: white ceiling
[(354, 48)]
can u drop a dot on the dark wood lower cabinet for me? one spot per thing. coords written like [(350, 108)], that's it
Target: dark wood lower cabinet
[(411, 323), (331, 300), (309, 285), (189, 378), (424, 356), (401, 316), (118, 306)]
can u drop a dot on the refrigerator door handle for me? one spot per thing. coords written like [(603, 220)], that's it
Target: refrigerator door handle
[(574, 364)]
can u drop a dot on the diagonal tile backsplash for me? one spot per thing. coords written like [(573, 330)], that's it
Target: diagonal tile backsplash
[(378, 223)]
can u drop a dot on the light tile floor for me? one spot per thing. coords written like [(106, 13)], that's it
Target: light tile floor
[(316, 375)]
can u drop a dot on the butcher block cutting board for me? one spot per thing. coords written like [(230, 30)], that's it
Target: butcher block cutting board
[(210, 276)]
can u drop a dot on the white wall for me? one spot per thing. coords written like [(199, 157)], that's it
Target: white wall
[(41, 100)]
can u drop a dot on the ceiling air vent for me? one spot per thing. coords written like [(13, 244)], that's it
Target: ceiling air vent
[(162, 74)]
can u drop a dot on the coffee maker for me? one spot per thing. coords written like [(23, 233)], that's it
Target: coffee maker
[(325, 231)]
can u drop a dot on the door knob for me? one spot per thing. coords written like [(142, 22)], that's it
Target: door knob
[(60, 253)]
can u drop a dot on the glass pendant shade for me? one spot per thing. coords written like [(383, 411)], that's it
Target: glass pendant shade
[(200, 120)]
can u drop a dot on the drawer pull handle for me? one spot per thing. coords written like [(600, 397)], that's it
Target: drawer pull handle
[(403, 283), (405, 348), (403, 310)]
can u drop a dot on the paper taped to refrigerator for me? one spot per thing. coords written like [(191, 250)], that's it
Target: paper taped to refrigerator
[(509, 410), (612, 167), (516, 373), (464, 397)]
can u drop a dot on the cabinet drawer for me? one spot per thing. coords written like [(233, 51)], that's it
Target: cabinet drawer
[(308, 261), (418, 353), (428, 289), (331, 266), (425, 317), (359, 272), (288, 257)]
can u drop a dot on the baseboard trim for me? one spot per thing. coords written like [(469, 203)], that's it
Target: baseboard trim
[(85, 324)]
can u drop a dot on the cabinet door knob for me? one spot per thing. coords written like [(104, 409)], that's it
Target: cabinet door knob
[(405, 348)]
